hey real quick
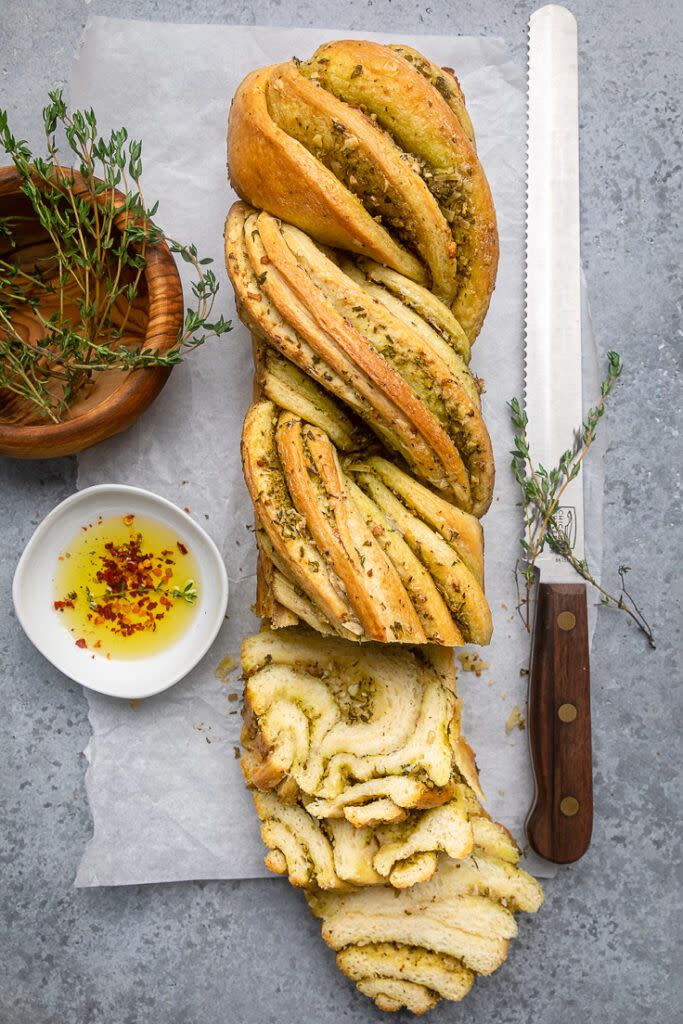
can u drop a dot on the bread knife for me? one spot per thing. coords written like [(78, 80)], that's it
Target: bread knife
[(560, 821)]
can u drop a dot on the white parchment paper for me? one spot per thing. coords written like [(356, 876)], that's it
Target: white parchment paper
[(164, 785)]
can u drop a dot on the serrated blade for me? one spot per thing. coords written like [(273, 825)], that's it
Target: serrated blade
[(553, 400)]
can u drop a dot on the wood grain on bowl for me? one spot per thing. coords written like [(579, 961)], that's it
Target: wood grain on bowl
[(115, 398)]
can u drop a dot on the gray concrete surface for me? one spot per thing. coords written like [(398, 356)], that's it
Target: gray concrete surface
[(605, 946)]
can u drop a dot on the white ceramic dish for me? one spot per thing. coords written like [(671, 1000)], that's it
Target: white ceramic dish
[(33, 594)]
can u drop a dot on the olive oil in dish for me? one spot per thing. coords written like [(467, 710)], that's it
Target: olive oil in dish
[(126, 587)]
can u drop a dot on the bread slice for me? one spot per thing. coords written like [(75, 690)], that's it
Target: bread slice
[(409, 950), (368, 797), (336, 853), (405, 976), (349, 725)]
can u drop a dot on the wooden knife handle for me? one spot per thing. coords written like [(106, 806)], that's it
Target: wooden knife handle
[(560, 821)]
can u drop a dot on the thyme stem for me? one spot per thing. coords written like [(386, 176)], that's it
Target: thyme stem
[(101, 231), (542, 492)]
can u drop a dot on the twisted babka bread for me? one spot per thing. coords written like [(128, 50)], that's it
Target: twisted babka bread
[(361, 777), (369, 464), (369, 148)]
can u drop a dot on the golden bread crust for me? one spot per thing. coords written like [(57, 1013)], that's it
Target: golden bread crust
[(276, 173), (392, 191), (407, 380), (369, 566), (369, 148)]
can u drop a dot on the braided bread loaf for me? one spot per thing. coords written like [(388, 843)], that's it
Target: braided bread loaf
[(361, 778), (369, 148), (364, 268)]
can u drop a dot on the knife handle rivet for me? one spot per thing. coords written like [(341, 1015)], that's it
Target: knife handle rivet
[(567, 712), (569, 806), (566, 621)]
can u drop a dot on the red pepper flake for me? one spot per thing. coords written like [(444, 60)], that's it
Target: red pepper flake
[(128, 519), (181, 547), (134, 591), (81, 643)]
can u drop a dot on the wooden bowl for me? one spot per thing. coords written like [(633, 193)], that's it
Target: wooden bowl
[(114, 399)]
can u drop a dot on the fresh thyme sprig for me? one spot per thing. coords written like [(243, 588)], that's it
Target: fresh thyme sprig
[(83, 294), (187, 593), (542, 491)]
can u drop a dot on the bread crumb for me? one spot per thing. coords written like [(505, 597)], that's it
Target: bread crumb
[(236, 751), (471, 662), (515, 718), (135, 703), (233, 697)]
